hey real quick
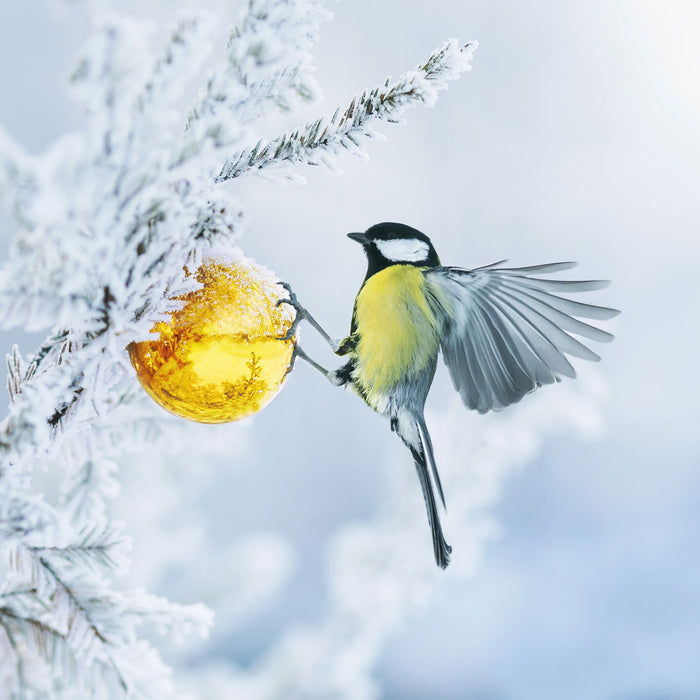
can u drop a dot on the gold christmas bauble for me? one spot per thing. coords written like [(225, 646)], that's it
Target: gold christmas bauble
[(219, 358)]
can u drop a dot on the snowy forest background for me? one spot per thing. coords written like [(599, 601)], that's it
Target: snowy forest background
[(575, 136)]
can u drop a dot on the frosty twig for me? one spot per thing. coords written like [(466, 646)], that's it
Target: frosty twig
[(321, 141)]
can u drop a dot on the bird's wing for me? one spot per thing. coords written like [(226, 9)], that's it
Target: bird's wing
[(506, 332)]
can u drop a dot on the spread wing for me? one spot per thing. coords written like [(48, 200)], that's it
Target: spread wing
[(505, 332)]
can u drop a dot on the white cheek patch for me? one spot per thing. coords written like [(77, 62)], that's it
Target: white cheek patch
[(403, 249)]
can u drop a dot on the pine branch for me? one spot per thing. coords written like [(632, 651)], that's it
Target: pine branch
[(22, 515), (175, 65), (97, 546), (322, 140), (52, 594), (22, 633), (47, 386), (263, 72), (89, 483), (73, 616)]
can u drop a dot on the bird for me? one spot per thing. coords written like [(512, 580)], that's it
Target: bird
[(502, 332)]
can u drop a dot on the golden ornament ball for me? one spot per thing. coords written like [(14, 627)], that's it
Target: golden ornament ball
[(219, 358)]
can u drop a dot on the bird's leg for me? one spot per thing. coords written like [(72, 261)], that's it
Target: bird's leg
[(303, 314), (334, 377), (299, 352)]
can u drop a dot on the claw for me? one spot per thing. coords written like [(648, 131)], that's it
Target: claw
[(295, 354), (292, 301), (299, 316), (291, 333)]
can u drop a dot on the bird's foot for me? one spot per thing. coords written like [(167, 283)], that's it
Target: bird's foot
[(300, 314), (299, 352), (296, 352)]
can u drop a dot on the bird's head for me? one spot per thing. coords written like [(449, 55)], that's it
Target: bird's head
[(388, 244)]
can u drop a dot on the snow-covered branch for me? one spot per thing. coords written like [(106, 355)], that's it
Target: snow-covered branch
[(267, 62), (321, 141)]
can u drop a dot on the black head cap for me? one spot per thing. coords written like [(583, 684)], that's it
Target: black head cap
[(395, 244)]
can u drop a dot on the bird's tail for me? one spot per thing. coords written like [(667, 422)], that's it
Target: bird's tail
[(417, 439)]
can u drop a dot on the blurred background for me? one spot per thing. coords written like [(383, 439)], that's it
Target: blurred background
[(575, 137)]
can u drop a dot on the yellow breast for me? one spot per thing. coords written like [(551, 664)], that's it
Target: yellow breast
[(398, 334)]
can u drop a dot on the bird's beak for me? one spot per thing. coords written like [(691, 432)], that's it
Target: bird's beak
[(359, 237)]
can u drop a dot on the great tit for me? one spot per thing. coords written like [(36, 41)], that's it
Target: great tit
[(502, 332)]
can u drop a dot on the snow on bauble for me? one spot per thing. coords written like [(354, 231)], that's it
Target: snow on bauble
[(219, 358)]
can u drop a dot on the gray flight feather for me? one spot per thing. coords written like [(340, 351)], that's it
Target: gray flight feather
[(505, 332)]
